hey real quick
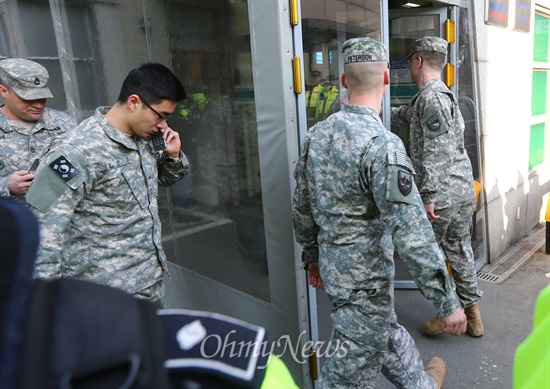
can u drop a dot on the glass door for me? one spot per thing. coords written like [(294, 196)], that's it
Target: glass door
[(406, 25), (325, 26)]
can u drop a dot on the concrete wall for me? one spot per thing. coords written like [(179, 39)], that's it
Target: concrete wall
[(515, 196)]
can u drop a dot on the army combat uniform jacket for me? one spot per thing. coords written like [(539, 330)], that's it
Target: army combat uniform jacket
[(96, 198), (444, 172), (19, 147), (355, 200)]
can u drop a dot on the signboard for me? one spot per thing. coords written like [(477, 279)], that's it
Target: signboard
[(496, 13), (523, 15)]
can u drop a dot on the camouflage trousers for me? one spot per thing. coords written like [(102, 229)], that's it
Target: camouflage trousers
[(155, 294), (452, 232), (366, 341)]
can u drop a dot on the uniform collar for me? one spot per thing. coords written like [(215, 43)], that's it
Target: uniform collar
[(111, 131)]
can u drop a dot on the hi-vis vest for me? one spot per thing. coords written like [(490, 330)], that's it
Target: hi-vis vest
[(326, 101), (313, 97)]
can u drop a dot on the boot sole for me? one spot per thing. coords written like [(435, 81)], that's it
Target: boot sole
[(473, 334)]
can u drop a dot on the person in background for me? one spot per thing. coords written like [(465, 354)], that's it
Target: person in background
[(443, 172), (27, 127), (354, 202), (96, 192)]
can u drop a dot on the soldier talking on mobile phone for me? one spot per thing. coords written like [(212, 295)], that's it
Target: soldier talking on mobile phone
[(95, 191)]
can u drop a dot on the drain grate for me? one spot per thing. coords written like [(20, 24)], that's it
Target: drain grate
[(488, 277)]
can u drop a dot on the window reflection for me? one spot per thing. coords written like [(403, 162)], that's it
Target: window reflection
[(326, 25), (216, 214)]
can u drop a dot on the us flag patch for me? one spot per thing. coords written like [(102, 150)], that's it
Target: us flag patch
[(64, 168)]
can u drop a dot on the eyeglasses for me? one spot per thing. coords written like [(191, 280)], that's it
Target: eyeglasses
[(412, 59), (161, 118)]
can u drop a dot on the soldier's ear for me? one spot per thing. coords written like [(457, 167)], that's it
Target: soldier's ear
[(343, 80), (133, 102), (387, 77), (3, 91)]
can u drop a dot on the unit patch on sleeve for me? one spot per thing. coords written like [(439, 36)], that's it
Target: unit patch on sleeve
[(64, 168), (404, 182), (433, 122)]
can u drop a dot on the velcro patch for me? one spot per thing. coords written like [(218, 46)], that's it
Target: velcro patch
[(64, 168), (404, 182), (433, 122)]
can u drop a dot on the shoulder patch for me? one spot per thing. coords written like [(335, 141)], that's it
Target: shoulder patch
[(404, 182), (433, 122), (64, 168)]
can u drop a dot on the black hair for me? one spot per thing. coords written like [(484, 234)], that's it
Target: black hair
[(153, 82)]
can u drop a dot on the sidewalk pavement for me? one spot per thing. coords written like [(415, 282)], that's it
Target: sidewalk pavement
[(507, 311)]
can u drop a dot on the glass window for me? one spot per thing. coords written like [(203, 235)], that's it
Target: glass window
[(326, 25), (540, 112), (215, 214), (34, 33)]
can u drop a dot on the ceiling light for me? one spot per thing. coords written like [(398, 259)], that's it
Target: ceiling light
[(410, 5)]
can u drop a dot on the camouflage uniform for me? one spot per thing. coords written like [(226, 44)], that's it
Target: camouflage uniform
[(19, 146), (355, 200), (96, 197), (444, 175)]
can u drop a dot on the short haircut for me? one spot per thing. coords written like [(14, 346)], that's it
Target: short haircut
[(434, 59), (153, 82), (364, 76)]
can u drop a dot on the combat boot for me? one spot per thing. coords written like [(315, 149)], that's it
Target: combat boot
[(434, 326), (475, 326), (437, 370)]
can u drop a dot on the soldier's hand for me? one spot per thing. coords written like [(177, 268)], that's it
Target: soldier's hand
[(173, 142), (20, 182), (455, 323), (314, 277), (430, 211)]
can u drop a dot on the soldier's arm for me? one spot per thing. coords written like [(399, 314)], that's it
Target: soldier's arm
[(172, 163), (4, 190), (389, 175), (171, 170), (438, 145), (400, 116), (305, 228), (54, 196)]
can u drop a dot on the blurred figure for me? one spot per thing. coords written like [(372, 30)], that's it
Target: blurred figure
[(27, 127)]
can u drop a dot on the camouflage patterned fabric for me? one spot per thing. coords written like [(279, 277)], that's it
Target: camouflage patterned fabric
[(355, 201), (96, 197), (28, 79), (444, 176), (19, 147), (363, 50), (429, 44)]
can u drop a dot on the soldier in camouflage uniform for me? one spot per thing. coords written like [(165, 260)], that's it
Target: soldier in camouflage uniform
[(96, 192), (27, 127), (444, 172), (355, 200)]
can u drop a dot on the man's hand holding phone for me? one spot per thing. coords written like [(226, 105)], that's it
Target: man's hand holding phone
[(172, 143), (20, 181)]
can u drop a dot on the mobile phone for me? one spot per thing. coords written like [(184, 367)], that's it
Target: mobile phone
[(159, 143), (34, 166)]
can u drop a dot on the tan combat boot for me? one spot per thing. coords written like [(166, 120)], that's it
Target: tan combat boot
[(475, 326), (434, 326), (437, 370)]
